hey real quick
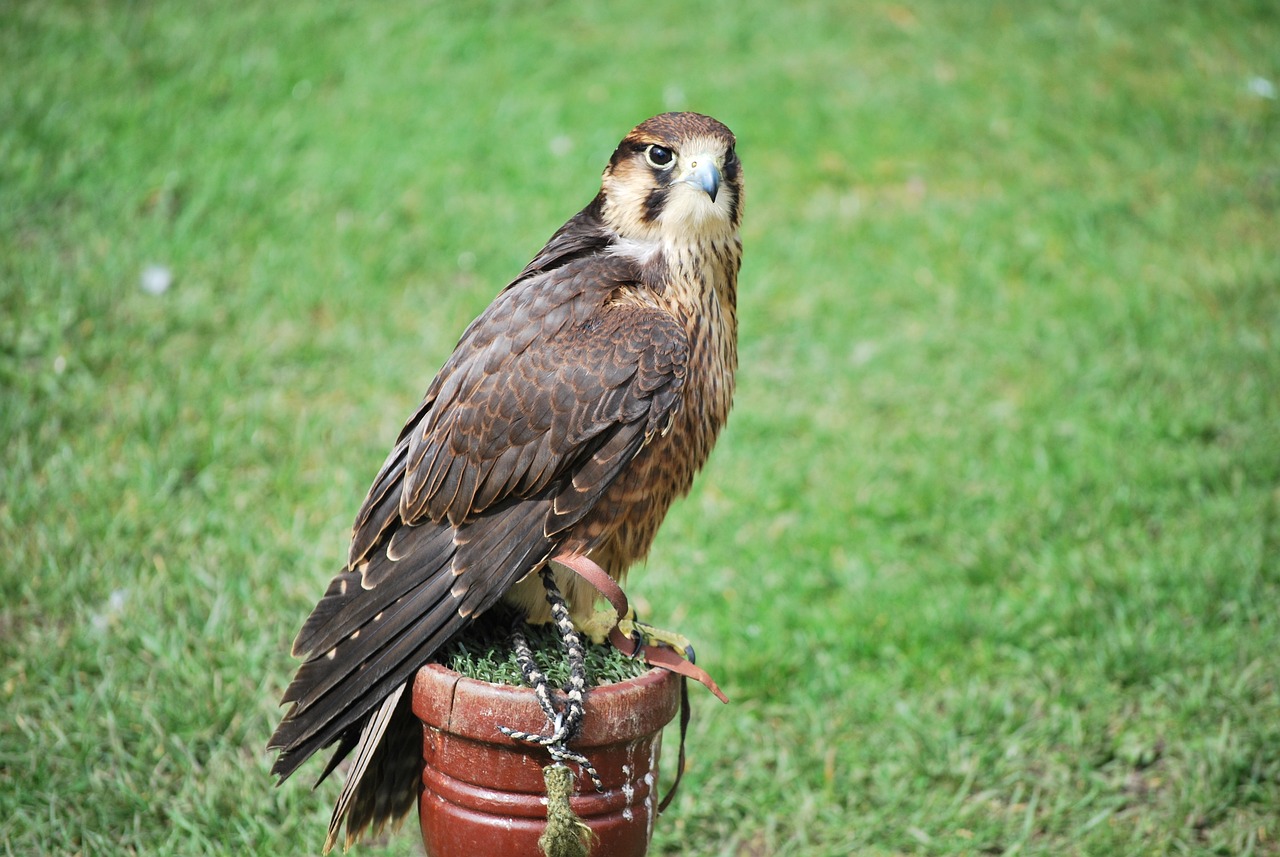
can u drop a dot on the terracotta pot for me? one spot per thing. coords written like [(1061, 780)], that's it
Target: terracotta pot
[(484, 794)]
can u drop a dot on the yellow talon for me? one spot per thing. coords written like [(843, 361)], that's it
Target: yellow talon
[(598, 625), (651, 635)]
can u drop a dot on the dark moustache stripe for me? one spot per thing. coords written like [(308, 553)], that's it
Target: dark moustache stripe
[(654, 203)]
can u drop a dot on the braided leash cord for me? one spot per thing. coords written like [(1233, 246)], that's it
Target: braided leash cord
[(534, 677), (577, 656), (565, 724), (659, 656)]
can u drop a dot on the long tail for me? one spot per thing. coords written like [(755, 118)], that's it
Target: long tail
[(382, 784), (376, 625)]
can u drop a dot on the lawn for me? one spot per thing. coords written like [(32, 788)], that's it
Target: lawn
[(988, 559)]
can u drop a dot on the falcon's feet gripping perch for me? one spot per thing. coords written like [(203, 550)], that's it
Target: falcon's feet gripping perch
[(665, 649), (658, 648), (600, 626), (670, 651), (646, 635)]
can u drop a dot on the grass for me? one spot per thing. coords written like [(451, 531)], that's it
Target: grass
[(988, 560)]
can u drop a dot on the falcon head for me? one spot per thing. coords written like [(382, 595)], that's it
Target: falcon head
[(674, 178)]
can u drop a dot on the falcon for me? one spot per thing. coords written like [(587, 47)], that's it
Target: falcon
[(571, 414)]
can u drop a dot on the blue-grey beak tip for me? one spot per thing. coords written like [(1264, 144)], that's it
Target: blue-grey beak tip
[(707, 177)]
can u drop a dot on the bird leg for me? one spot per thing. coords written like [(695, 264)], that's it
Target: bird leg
[(565, 725), (597, 626), (631, 641), (648, 635)]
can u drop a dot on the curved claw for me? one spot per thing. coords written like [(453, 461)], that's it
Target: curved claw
[(671, 639)]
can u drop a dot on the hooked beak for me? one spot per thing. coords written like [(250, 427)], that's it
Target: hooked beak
[(703, 173)]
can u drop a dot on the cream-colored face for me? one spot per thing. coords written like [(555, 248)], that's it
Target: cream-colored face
[(663, 184)]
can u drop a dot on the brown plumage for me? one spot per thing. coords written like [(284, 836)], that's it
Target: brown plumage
[(573, 411)]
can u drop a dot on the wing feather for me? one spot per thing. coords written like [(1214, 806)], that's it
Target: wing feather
[(509, 421)]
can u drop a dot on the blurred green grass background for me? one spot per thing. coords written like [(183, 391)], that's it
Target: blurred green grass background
[(988, 559)]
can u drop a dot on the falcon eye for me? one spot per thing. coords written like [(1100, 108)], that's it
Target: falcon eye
[(659, 156)]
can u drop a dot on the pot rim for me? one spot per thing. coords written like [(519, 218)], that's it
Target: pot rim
[(448, 701)]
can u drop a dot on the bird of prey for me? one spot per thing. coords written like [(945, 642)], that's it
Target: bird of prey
[(571, 414)]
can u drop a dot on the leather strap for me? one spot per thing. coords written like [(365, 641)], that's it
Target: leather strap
[(660, 656), (685, 714), (657, 656)]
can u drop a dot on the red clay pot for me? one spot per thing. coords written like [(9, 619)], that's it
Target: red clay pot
[(484, 794)]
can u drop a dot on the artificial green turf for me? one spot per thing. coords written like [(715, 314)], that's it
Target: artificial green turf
[(988, 559), (486, 651)]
